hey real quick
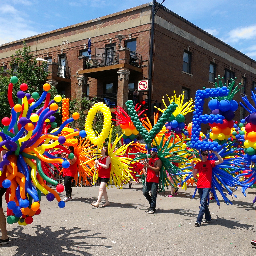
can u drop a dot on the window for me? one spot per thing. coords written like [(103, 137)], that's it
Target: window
[(84, 53), (131, 86), (62, 65), (131, 45), (109, 89), (253, 86), (228, 75), (49, 62), (187, 62), (243, 84), (212, 72), (186, 92), (110, 54)]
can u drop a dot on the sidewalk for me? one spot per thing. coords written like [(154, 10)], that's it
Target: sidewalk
[(125, 229)]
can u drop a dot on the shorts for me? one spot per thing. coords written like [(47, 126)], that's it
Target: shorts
[(103, 180), (2, 191)]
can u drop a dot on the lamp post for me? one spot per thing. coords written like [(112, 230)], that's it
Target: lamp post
[(151, 51)]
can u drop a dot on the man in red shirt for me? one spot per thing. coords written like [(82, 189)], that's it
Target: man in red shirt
[(204, 183), (152, 179)]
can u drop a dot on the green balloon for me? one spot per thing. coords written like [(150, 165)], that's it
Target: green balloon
[(14, 79), (180, 118), (241, 132), (35, 95), (241, 125), (54, 124), (250, 151), (171, 118), (234, 133), (71, 156)]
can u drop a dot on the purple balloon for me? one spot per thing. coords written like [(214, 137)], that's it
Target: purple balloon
[(61, 139), (252, 118), (229, 115), (28, 95), (52, 118), (216, 111), (23, 121), (20, 94)]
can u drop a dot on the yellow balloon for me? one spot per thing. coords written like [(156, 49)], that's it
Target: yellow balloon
[(58, 98), (221, 136), (254, 145), (34, 118), (246, 144), (213, 136), (128, 132), (98, 107)]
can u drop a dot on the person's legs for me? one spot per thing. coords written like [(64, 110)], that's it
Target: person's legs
[(154, 188), (105, 194), (101, 192), (203, 193), (146, 189), (67, 184), (3, 224)]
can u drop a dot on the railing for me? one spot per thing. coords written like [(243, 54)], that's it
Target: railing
[(102, 60), (55, 69)]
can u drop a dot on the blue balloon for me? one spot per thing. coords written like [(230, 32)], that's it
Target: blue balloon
[(233, 105), (6, 183), (174, 124), (225, 105), (82, 134), (11, 205), (24, 203), (213, 104), (61, 204), (65, 164)]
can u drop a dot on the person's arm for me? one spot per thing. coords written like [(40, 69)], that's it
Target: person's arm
[(105, 166), (72, 161), (194, 171), (220, 159), (156, 167)]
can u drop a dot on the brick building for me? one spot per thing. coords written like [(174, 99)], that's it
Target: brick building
[(106, 57)]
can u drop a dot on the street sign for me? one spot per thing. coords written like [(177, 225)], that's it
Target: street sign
[(143, 85)]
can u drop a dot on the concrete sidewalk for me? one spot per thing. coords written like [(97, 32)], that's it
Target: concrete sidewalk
[(125, 229)]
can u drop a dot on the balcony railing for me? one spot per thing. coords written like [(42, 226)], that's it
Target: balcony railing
[(55, 69), (102, 60)]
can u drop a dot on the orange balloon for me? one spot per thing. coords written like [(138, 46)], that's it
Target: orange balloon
[(35, 206), (54, 106), (216, 130), (25, 211), (29, 127), (251, 136), (226, 131), (189, 128), (17, 108), (47, 87), (75, 116)]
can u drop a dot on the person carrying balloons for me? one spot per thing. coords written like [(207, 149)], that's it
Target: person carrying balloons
[(104, 167), (4, 239), (151, 170), (69, 173), (204, 183)]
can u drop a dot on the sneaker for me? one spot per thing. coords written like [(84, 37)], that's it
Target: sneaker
[(197, 224), (70, 198), (5, 241), (207, 221), (65, 199), (253, 242), (150, 211)]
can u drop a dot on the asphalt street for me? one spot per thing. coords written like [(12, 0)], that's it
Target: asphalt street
[(124, 228)]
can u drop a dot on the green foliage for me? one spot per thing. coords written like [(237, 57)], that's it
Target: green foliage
[(25, 66)]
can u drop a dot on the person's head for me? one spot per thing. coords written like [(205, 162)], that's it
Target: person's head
[(204, 154), (104, 150), (71, 148), (153, 152)]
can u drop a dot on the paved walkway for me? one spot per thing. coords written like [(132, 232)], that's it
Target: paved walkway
[(125, 229)]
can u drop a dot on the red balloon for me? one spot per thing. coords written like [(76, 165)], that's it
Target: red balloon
[(23, 87), (230, 124), (224, 124), (6, 121), (38, 212), (250, 127), (60, 188), (29, 220)]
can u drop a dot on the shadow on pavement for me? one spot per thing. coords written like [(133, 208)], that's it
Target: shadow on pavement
[(64, 241)]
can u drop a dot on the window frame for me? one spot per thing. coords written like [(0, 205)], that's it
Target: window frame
[(214, 72), (187, 64)]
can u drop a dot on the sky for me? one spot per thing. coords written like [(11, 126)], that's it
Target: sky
[(233, 22)]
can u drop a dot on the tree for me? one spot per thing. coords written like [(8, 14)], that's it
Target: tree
[(25, 66)]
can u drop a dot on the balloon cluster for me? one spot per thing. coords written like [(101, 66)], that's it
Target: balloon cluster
[(65, 109), (176, 124), (25, 139), (125, 122), (199, 118), (149, 136), (222, 131)]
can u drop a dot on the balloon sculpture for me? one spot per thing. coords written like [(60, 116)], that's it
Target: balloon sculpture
[(26, 138)]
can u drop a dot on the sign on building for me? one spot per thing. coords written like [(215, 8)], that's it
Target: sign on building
[(143, 85)]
